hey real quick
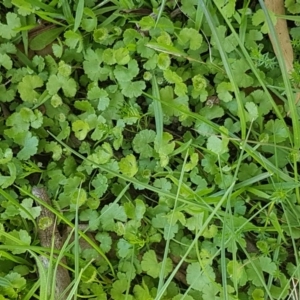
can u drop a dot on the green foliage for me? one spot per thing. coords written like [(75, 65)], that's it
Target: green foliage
[(167, 131)]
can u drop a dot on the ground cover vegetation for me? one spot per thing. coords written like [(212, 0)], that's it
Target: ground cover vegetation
[(165, 133)]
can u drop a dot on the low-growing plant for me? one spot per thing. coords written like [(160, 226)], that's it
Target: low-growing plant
[(166, 135)]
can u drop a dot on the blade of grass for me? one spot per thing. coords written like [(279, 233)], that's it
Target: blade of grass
[(160, 293), (160, 11), (76, 240), (244, 22), (168, 235), (67, 12), (49, 17), (79, 14), (241, 111), (42, 5), (77, 282), (199, 17), (24, 35), (43, 284), (289, 92), (158, 113), (30, 294), (252, 66), (14, 258)]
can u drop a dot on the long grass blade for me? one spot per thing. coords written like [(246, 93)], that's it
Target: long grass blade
[(158, 112), (79, 14)]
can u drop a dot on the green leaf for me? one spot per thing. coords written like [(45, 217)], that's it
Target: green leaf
[(45, 38), (78, 198), (217, 145), (172, 77), (141, 143), (7, 31), (100, 35), (81, 129), (252, 111), (124, 248), (190, 37), (163, 61), (277, 130), (109, 56), (100, 185), (128, 165), (223, 90), (5, 156), (241, 67), (147, 23), (132, 89), (152, 267), (102, 154), (200, 278), (199, 82), (6, 181), (89, 20), (11, 285), (30, 144), (121, 56), (34, 211), (194, 158), (126, 74), (91, 64), (258, 294), (229, 43), (92, 217), (27, 88), (105, 241), (74, 40), (252, 37), (57, 82), (237, 272), (118, 288), (228, 7), (143, 293), (259, 17), (195, 222), (96, 93), (5, 61), (112, 212), (20, 237), (55, 148), (64, 69), (214, 112), (165, 148), (57, 50), (247, 171)]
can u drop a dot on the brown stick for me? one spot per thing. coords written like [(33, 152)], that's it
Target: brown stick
[(281, 28), (46, 235)]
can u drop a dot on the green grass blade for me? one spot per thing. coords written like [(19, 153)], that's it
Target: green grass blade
[(79, 14), (192, 245), (158, 112), (241, 111), (168, 235), (160, 11), (252, 66), (67, 12), (199, 16)]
